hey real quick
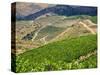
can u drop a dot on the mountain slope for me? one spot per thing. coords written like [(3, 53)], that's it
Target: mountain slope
[(65, 10)]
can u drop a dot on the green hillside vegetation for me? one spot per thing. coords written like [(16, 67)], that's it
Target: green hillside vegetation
[(90, 62), (59, 55), (94, 19)]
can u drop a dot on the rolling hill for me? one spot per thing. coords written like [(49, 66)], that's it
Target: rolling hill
[(32, 34)]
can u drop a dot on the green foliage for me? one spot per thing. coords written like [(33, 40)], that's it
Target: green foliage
[(59, 55), (94, 19), (90, 62)]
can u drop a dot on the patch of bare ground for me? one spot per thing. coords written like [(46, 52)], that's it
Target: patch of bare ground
[(87, 27)]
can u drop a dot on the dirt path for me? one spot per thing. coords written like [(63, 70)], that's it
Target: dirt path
[(84, 25), (87, 27), (43, 39), (36, 33), (61, 34)]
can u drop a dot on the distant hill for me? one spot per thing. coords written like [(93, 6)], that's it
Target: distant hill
[(65, 10)]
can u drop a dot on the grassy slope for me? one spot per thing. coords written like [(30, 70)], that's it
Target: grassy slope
[(94, 19), (58, 55)]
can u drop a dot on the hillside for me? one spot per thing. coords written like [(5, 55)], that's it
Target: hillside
[(72, 53), (33, 34)]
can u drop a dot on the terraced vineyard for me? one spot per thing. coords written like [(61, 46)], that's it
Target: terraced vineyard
[(72, 53)]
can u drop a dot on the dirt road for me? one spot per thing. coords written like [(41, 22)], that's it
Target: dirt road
[(87, 27)]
